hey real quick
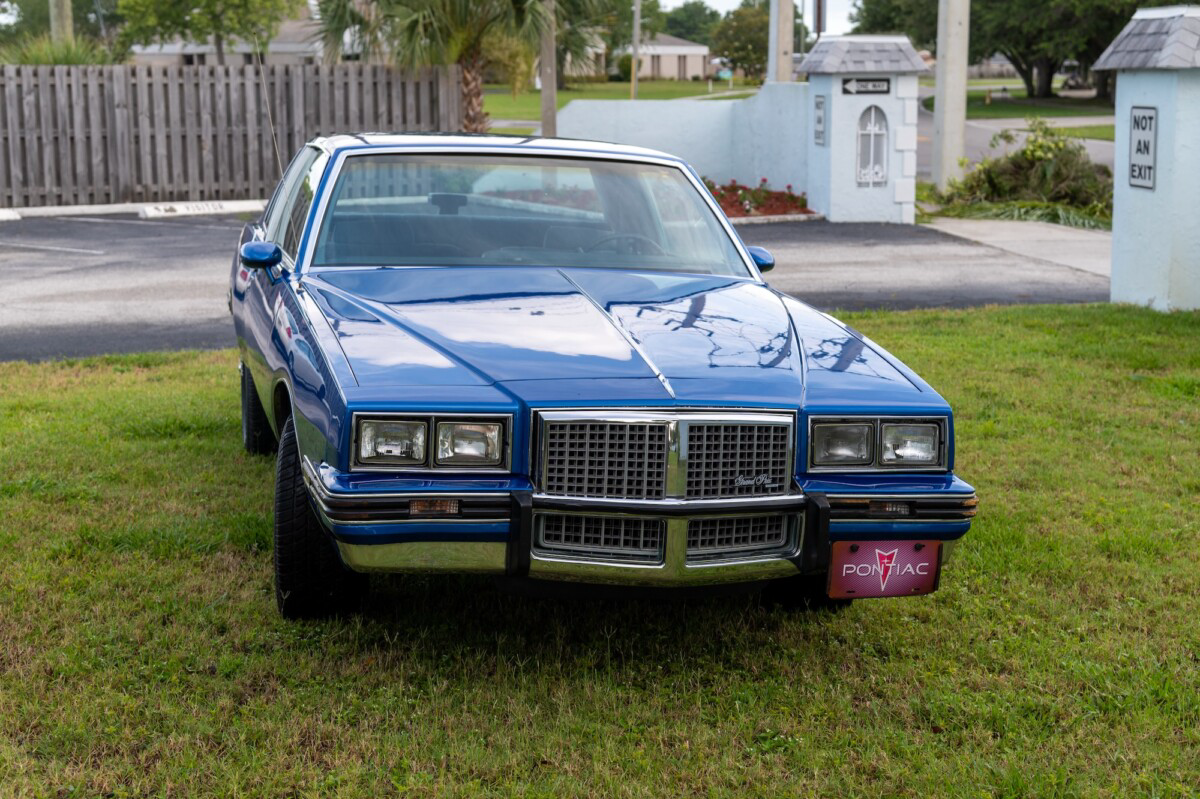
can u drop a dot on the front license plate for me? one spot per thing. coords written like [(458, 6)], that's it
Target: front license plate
[(883, 568)]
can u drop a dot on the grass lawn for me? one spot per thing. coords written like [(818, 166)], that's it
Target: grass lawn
[(1105, 132), (1020, 106), (141, 655), (499, 102)]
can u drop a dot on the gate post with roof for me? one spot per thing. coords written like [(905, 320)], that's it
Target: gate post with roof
[(1156, 241), (862, 143)]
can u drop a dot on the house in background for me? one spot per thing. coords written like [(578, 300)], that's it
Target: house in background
[(297, 42), (667, 57)]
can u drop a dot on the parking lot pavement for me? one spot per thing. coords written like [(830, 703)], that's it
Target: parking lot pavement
[(74, 286), (859, 266)]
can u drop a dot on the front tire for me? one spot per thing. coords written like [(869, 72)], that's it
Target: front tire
[(310, 580), (803, 592), (257, 437)]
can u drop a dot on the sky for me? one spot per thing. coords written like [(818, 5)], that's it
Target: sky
[(837, 11)]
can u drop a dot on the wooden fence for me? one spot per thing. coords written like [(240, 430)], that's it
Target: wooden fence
[(83, 135)]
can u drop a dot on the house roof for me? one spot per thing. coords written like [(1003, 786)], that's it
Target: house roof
[(669, 43), (1156, 38), (842, 54)]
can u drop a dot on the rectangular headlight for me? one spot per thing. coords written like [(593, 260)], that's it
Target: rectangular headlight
[(910, 445), (842, 444), (470, 443), (393, 442)]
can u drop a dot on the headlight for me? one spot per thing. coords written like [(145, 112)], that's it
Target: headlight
[(842, 444), (393, 442), (469, 443), (910, 444)]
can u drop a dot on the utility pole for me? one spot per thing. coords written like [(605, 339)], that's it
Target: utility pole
[(637, 40), (950, 94), (782, 34), (548, 71), (62, 26)]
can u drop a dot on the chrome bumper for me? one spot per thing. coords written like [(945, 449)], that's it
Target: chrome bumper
[(495, 534)]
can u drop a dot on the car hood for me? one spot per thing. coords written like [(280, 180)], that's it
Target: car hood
[(578, 335)]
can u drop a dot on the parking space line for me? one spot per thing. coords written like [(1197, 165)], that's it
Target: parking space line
[(50, 248), (101, 221)]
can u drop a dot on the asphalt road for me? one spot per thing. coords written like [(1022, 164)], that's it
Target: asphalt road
[(75, 286)]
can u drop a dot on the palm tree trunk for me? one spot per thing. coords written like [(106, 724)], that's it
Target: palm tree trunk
[(475, 119)]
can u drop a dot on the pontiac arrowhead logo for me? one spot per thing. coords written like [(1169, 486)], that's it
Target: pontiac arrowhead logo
[(886, 561)]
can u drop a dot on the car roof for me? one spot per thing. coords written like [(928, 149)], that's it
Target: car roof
[(471, 141)]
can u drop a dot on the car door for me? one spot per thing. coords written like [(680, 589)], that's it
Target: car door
[(283, 224)]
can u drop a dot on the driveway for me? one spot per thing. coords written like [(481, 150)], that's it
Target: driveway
[(979, 133), (74, 286)]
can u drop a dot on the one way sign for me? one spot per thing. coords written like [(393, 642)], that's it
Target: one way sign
[(866, 85)]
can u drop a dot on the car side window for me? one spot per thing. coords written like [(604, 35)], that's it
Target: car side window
[(287, 189), (298, 206)]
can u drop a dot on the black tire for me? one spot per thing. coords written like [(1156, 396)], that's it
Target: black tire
[(804, 593), (310, 579), (257, 437)]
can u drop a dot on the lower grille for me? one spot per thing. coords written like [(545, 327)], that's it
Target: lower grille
[(736, 535), (610, 536)]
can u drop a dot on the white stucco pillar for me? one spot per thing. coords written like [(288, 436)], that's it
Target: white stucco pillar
[(862, 141), (1156, 189)]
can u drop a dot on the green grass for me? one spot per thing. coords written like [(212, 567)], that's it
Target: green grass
[(499, 102), (515, 131), (141, 655), (1020, 106), (1104, 132), (1029, 211)]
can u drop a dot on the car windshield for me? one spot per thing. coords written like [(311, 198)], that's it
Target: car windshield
[(489, 210)]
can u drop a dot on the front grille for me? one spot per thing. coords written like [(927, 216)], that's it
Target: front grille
[(736, 535), (737, 460), (619, 460), (609, 536)]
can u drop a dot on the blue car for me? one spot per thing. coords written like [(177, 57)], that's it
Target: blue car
[(552, 360)]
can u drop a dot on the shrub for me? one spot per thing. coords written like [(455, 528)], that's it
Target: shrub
[(625, 67), (1049, 171), (42, 50)]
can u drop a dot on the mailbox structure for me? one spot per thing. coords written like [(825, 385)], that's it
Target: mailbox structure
[(862, 144), (1156, 241)]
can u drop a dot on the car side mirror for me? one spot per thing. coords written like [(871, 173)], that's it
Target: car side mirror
[(260, 254), (762, 259)]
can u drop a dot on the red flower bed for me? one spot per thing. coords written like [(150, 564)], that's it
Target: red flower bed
[(760, 200)]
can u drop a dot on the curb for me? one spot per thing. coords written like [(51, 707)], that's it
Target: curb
[(143, 210), (766, 220)]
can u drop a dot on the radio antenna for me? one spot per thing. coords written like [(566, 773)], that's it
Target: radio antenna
[(262, 78)]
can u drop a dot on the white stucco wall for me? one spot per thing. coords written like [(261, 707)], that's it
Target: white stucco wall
[(1156, 241), (744, 140), (771, 135)]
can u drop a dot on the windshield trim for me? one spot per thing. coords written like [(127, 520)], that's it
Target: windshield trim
[(333, 171)]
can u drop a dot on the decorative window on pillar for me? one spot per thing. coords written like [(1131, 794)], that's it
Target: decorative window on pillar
[(872, 147)]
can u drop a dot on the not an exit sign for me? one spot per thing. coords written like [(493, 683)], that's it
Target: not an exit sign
[(1143, 141)]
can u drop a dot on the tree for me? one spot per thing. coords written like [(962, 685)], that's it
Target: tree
[(150, 21), (618, 23), (576, 26), (94, 19), (1036, 36), (742, 39), (694, 21), (415, 33), (916, 19)]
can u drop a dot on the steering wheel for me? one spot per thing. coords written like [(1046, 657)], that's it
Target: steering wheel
[(651, 246)]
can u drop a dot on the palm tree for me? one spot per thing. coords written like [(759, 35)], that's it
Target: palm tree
[(414, 33)]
